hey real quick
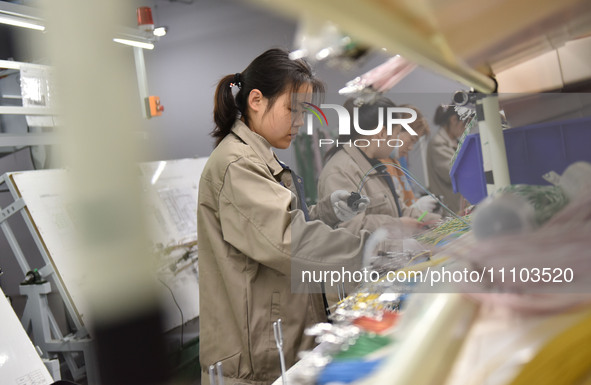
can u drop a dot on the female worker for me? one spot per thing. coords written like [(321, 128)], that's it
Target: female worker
[(253, 228), (348, 165), (440, 151), (402, 181)]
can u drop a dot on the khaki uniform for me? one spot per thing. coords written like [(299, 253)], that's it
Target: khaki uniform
[(439, 154), (252, 241), (344, 171)]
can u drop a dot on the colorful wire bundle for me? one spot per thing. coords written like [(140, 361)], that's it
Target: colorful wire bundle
[(356, 361), (546, 200), (443, 233)]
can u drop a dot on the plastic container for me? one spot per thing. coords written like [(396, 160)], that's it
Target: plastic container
[(532, 151)]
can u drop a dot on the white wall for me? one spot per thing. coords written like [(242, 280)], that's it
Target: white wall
[(206, 41), (211, 38)]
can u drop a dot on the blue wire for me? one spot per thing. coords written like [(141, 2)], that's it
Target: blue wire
[(346, 371), (411, 177)]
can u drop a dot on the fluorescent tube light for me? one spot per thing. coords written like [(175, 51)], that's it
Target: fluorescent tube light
[(20, 22), (134, 43)]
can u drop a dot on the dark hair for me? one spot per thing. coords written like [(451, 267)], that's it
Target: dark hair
[(367, 117), (420, 115), (443, 114), (272, 73), (413, 107)]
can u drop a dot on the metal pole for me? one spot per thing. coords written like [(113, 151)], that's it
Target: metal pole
[(498, 152), (278, 333), (492, 142), (485, 147), (142, 78)]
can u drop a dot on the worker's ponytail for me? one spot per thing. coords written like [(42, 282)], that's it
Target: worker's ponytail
[(225, 110)]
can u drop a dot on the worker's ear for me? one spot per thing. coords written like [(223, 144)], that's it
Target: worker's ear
[(256, 101)]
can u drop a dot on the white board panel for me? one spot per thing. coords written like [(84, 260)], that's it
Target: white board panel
[(44, 193), (20, 363), (170, 195)]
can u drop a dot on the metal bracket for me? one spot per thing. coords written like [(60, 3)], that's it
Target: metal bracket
[(39, 318), (11, 209)]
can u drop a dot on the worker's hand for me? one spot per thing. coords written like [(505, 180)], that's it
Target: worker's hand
[(411, 225), (426, 203), (342, 209)]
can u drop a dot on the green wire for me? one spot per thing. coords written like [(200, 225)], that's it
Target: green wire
[(363, 346), (546, 200), (423, 215)]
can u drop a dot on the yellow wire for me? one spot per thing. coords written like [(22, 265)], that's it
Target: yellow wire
[(565, 360), (419, 255), (367, 298)]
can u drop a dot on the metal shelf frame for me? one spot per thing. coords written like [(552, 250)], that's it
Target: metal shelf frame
[(38, 316)]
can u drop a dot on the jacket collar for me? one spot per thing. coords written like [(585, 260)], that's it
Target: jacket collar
[(259, 144), (359, 158)]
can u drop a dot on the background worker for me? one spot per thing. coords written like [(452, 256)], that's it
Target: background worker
[(394, 166), (347, 166), (440, 151)]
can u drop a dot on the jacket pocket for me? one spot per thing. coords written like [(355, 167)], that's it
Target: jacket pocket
[(230, 365), (275, 306)]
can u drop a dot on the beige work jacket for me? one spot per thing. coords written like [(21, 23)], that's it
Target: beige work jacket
[(439, 154), (344, 171), (252, 240)]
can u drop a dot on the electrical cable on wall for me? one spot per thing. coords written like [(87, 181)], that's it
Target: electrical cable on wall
[(180, 311)]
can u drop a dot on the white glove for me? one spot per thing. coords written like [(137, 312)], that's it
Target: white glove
[(339, 198), (425, 203)]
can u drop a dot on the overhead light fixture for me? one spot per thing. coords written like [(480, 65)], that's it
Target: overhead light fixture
[(20, 16), (19, 22), (160, 31), (135, 37), (134, 43)]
